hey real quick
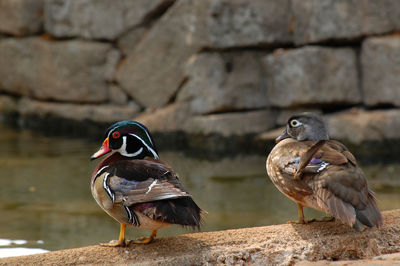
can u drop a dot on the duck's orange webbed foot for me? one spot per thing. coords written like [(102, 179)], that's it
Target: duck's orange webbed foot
[(121, 242), (116, 243), (146, 240)]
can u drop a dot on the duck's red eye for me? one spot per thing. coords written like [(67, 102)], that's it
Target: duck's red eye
[(116, 135)]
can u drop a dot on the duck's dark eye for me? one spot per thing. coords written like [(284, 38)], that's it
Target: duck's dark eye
[(116, 135), (295, 123)]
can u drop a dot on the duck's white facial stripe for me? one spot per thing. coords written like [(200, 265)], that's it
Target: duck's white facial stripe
[(148, 136), (111, 130), (136, 153), (145, 144), (123, 152)]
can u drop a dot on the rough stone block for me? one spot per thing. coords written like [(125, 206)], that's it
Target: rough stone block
[(322, 20), (100, 113), (65, 71), (311, 76), (224, 82), (130, 39), (21, 17), (154, 70), (231, 124), (117, 96), (190, 26), (167, 119), (249, 23), (101, 19), (380, 60), (357, 126)]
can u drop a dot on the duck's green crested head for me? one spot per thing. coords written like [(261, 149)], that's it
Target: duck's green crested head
[(129, 138)]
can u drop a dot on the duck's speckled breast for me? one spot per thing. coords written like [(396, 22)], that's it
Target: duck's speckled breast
[(281, 168)]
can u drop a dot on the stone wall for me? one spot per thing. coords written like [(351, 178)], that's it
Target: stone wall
[(210, 67)]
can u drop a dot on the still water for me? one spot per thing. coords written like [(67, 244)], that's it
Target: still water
[(46, 203)]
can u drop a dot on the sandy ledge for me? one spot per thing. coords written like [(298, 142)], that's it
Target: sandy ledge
[(328, 243)]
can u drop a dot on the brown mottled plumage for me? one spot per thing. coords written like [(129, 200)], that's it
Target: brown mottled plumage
[(320, 173)]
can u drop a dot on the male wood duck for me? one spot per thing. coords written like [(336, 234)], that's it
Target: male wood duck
[(316, 172), (137, 189)]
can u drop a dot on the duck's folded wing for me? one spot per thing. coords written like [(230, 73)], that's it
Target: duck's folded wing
[(340, 191), (323, 153), (336, 153), (343, 192), (139, 181), (335, 206), (347, 183)]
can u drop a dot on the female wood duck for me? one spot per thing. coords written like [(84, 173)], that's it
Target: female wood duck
[(316, 172), (137, 189)]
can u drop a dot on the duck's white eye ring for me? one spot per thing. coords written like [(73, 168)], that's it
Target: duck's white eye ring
[(295, 123)]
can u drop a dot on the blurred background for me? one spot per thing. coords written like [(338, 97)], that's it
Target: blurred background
[(214, 81)]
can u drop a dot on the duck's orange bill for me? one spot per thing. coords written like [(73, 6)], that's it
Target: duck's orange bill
[(103, 150)]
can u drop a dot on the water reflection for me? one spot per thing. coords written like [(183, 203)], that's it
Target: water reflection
[(45, 194)]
